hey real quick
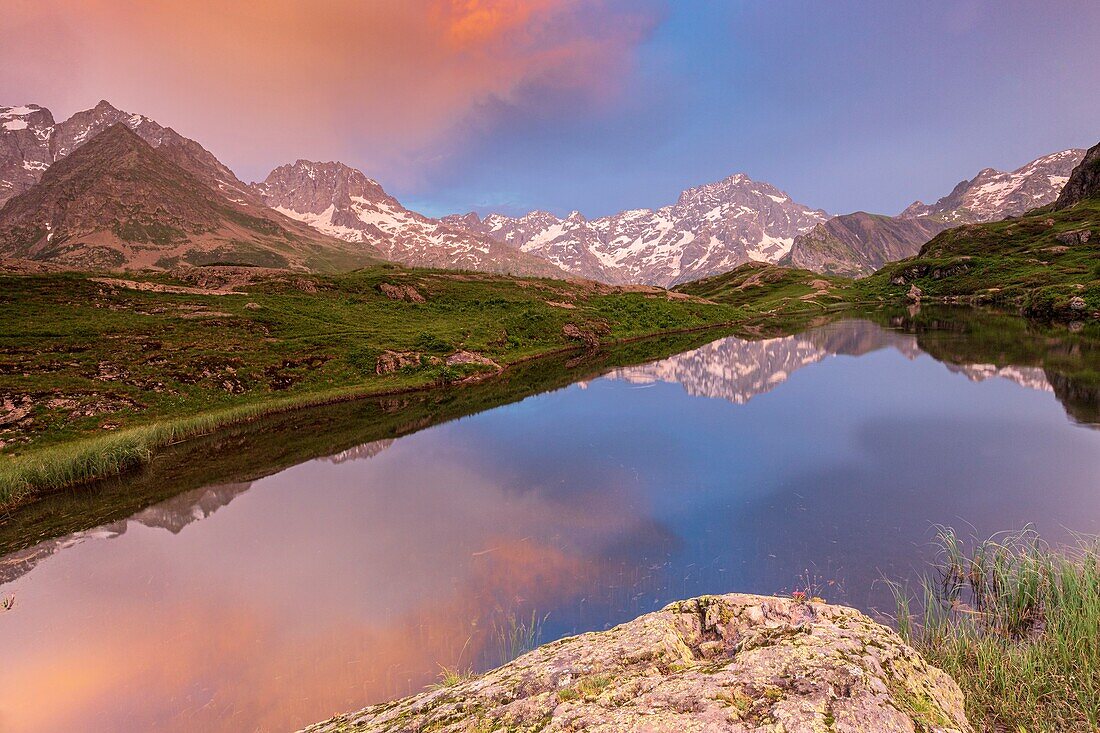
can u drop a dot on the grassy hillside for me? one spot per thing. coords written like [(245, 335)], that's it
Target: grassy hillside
[(857, 244), (770, 289), (1046, 264)]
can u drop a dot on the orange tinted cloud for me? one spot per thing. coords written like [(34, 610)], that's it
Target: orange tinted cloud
[(470, 23), (395, 84)]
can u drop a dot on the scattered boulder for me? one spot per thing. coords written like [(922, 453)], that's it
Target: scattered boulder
[(392, 361), (1077, 303), (14, 409), (470, 357), (589, 334), (401, 292), (253, 306), (914, 293), (735, 663), (1077, 236)]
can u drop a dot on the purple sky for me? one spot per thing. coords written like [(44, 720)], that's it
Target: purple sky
[(596, 105), (845, 105)]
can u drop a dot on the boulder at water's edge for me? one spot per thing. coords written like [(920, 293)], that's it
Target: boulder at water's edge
[(734, 663)]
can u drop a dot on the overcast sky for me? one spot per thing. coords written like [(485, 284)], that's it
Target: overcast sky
[(596, 105)]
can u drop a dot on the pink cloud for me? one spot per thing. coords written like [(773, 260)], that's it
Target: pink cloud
[(400, 81)]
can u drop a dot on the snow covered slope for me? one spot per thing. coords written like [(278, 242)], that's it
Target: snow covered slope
[(342, 202), (992, 194), (709, 230)]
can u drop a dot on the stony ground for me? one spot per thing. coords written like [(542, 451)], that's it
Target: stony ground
[(718, 663)]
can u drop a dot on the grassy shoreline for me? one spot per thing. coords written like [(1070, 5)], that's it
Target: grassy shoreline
[(1016, 623), (53, 468)]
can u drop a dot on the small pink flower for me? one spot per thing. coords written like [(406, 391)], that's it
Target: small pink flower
[(799, 596)]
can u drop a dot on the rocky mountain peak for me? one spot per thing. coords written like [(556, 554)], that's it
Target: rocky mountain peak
[(117, 202), (306, 186), (23, 117), (31, 141), (857, 244), (992, 194), (716, 189), (1084, 180), (469, 221), (343, 202)]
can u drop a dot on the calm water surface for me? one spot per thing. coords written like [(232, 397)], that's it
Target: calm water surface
[(740, 466)]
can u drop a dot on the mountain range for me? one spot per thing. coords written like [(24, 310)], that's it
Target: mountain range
[(118, 202), (857, 244), (710, 229), (342, 202), (156, 199), (107, 189)]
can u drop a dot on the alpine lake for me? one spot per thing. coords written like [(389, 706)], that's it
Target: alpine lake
[(318, 561)]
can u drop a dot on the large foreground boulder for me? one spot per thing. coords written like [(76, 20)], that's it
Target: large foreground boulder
[(716, 663)]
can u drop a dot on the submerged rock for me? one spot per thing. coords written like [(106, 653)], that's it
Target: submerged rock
[(734, 663)]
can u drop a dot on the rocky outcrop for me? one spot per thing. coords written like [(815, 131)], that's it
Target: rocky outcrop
[(734, 663), (588, 334), (401, 292), (392, 361), (1084, 181), (466, 358), (1075, 236)]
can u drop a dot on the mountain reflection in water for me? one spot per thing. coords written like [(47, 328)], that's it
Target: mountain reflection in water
[(745, 465), (737, 370)]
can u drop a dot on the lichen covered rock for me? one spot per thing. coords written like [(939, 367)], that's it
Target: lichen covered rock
[(717, 663)]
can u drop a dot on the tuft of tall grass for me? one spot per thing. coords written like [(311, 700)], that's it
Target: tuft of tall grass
[(451, 676), (1017, 624), (515, 636)]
